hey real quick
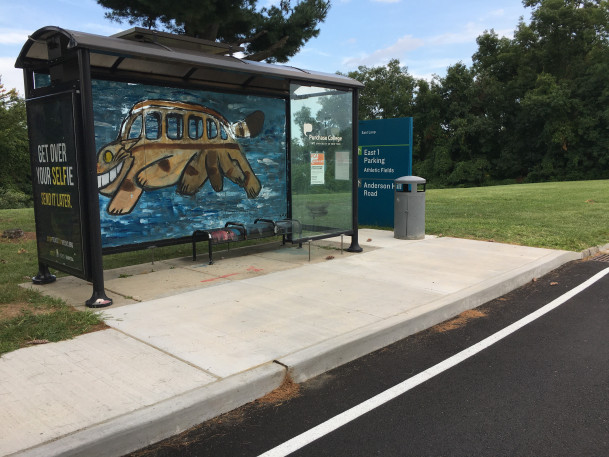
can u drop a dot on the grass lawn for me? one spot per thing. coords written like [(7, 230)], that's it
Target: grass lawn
[(28, 317), (564, 215), (569, 215)]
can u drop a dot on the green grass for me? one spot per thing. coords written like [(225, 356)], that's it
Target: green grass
[(26, 315), (565, 215)]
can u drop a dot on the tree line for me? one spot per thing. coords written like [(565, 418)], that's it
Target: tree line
[(531, 108), (15, 180)]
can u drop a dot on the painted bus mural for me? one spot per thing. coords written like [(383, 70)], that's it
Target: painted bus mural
[(171, 161)]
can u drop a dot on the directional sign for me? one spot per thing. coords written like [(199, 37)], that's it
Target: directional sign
[(384, 154)]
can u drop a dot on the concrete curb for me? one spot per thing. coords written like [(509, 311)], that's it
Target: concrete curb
[(149, 425), (593, 251), (322, 357)]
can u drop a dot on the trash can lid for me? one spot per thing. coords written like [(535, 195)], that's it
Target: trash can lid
[(410, 180)]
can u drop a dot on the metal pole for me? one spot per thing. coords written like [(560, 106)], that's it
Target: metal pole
[(355, 247), (99, 299)]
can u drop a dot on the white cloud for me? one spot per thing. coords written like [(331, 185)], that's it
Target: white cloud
[(466, 35), (12, 78), (494, 13), (315, 52), (13, 36), (382, 56)]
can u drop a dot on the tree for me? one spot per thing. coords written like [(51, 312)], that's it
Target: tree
[(273, 33), (388, 91), (15, 178)]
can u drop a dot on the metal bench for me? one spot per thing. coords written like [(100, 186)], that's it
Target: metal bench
[(235, 231)]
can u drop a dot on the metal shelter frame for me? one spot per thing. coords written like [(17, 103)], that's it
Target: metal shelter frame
[(71, 59)]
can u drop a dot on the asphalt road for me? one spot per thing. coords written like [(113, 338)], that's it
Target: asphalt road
[(543, 390)]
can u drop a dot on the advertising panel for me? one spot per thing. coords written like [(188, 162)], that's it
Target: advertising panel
[(58, 198)]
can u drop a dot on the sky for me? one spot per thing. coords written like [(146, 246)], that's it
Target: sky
[(427, 36)]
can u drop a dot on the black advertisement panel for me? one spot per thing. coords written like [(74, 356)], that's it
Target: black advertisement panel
[(58, 197)]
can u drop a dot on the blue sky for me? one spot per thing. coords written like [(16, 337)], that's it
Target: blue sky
[(426, 36)]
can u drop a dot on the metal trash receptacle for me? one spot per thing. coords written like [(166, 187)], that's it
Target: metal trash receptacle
[(409, 208)]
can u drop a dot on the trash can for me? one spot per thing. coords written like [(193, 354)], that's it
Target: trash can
[(409, 208)]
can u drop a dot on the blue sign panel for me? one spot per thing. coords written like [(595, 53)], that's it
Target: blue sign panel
[(384, 154)]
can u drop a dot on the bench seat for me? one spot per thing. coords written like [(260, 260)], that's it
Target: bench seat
[(235, 231)]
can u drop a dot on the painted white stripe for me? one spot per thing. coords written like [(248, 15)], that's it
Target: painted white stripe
[(336, 422)]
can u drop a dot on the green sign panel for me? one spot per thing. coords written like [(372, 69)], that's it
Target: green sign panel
[(54, 158)]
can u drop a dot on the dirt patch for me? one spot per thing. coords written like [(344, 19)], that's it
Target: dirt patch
[(98, 327), (12, 310), (27, 236), (286, 391), (458, 321)]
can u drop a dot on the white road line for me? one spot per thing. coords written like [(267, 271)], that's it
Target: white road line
[(336, 422)]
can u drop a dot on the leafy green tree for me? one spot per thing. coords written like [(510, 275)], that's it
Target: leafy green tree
[(273, 33), (15, 177), (388, 91), (550, 86)]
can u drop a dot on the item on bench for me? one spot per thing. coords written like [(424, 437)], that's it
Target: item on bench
[(235, 231)]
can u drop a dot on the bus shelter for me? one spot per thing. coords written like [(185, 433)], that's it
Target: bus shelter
[(144, 138)]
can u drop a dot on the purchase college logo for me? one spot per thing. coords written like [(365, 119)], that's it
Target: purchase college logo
[(326, 136)]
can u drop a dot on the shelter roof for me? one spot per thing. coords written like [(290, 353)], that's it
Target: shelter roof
[(164, 56)]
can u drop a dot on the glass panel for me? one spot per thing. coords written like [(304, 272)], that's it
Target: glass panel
[(41, 80), (321, 154)]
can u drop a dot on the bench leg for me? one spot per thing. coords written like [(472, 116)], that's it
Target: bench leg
[(211, 259)]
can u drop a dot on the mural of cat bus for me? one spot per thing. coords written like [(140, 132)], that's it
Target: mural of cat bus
[(165, 143)]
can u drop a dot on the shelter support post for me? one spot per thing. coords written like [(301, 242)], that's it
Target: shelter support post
[(355, 247), (44, 276), (99, 299)]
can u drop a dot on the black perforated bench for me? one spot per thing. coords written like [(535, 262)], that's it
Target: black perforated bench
[(235, 231)]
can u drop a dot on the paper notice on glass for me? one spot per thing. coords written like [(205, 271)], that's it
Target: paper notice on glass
[(342, 165), (318, 168)]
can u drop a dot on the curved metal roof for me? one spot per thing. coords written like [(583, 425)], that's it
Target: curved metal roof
[(121, 55)]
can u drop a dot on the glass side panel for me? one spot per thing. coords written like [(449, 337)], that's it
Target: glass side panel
[(321, 153)]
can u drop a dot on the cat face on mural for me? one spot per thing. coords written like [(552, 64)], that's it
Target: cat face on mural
[(164, 143)]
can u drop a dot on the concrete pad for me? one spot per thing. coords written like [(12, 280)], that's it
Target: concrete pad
[(244, 267), (229, 328), (51, 390), (141, 287), (75, 292), (300, 256)]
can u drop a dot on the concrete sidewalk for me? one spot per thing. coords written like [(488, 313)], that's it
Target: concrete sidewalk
[(191, 341)]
